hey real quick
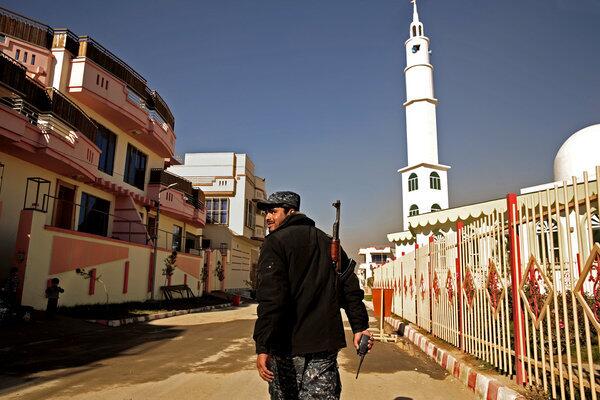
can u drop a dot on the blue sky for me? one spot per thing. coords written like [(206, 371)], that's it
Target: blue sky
[(312, 90)]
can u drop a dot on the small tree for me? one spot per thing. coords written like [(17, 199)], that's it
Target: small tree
[(170, 265), (220, 271), (89, 275), (204, 275)]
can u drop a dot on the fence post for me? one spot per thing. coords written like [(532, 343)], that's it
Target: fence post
[(515, 269), (402, 282), (414, 273), (430, 283), (459, 230)]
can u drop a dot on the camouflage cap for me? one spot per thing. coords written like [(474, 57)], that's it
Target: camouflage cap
[(280, 199)]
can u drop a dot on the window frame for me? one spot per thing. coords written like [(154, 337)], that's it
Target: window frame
[(111, 139), (413, 182), (138, 180), (211, 211), (83, 219), (176, 245), (435, 182), (250, 214), (412, 209)]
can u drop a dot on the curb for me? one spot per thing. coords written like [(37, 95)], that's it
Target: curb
[(485, 387), (150, 317)]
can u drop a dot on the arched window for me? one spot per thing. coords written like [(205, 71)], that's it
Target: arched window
[(420, 31), (434, 181), (413, 210), (413, 182), (549, 245), (435, 207), (596, 228), (414, 30)]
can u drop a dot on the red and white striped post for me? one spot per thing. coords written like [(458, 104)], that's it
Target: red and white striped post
[(515, 268)]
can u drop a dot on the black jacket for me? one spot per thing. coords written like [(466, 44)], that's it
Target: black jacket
[(298, 299)]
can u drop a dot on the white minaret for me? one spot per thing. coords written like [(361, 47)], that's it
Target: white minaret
[(424, 180)]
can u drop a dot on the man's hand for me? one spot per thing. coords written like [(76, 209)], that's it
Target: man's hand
[(261, 365), (357, 338)]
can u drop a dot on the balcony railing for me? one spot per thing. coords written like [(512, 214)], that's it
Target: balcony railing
[(13, 76), (157, 103), (31, 99), (69, 113), (93, 50), (24, 28), (194, 196)]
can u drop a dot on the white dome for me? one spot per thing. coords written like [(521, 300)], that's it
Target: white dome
[(581, 152)]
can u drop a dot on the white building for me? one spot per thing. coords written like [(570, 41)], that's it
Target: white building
[(374, 256), (424, 179), (232, 222)]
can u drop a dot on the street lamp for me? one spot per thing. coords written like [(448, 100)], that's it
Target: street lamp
[(156, 237)]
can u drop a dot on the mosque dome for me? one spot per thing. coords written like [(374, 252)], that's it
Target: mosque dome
[(581, 152)]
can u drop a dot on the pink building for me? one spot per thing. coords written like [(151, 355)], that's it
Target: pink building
[(84, 144)]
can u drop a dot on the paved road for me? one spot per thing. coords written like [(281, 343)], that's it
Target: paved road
[(198, 356)]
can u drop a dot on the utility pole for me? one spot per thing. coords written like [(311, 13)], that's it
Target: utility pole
[(155, 253)]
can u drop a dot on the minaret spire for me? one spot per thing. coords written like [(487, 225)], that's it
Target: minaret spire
[(415, 12), (416, 27)]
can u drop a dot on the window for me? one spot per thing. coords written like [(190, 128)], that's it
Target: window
[(413, 210), (379, 258), (176, 244), (217, 210), (97, 79), (435, 207), (135, 167), (250, 214), (24, 56), (64, 205), (151, 226), (435, 181), (33, 59), (93, 215), (106, 142), (17, 54), (596, 228), (414, 30), (192, 243), (2, 38), (545, 243), (413, 182)]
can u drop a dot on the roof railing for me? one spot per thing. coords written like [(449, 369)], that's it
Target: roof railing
[(24, 28), (88, 47)]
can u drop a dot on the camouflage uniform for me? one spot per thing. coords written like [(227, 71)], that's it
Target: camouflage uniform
[(311, 376)]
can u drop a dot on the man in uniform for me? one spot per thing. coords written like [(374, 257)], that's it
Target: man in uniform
[(299, 329)]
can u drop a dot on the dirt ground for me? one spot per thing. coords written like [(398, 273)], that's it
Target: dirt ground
[(194, 356)]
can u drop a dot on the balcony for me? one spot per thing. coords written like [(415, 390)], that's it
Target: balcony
[(29, 30), (108, 85), (181, 201), (44, 127)]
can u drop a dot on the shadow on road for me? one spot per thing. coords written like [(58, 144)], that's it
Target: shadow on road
[(66, 346)]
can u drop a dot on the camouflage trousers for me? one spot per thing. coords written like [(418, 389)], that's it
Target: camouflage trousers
[(311, 376)]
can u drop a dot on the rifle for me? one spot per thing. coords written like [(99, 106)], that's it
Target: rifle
[(335, 241)]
